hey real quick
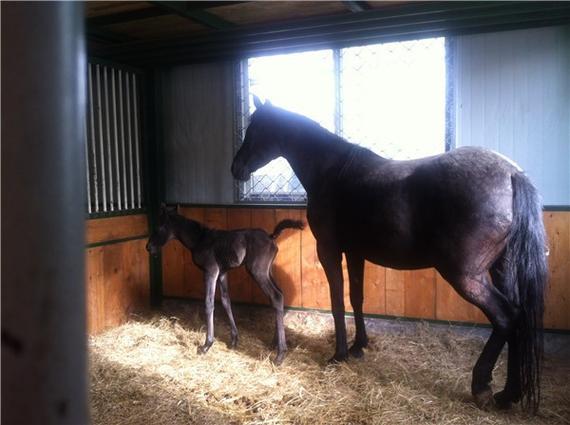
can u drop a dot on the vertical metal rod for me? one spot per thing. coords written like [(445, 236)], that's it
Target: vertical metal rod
[(337, 59), (122, 127), (136, 104), (116, 140), (92, 131), (108, 140), (130, 141), (87, 179), (101, 150)]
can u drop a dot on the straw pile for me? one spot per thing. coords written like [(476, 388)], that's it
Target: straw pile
[(148, 372)]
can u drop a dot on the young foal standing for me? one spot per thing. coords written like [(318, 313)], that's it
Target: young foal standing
[(217, 251), (469, 213)]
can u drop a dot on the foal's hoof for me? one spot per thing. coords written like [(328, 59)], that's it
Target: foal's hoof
[(503, 400), (233, 343), (203, 349), (278, 360), (484, 399), (356, 351), (337, 358)]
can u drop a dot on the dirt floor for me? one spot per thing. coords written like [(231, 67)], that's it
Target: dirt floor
[(148, 372)]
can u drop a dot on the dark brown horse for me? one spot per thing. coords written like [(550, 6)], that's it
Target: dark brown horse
[(470, 213), (217, 251)]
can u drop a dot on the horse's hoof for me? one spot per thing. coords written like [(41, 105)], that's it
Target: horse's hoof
[(203, 349), (356, 351), (278, 360), (337, 358), (233, 343), (484, 399), (503, 400)]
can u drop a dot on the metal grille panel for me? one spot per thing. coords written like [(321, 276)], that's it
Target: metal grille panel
[(112, 141)]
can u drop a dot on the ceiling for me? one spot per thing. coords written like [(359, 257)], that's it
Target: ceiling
[(166, 32)]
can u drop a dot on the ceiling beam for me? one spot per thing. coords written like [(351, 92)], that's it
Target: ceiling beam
[(357, 6), (197, 15), (103, 36), (128, 16)]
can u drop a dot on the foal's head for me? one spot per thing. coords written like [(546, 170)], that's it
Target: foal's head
[(163, 233), (261, 142)]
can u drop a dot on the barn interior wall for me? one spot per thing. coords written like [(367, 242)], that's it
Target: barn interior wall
[(414, 294), (117, 270), (513, 96)]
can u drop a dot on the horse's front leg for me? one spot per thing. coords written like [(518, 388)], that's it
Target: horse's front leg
[(210, 278), (331, 259), (355, 265)]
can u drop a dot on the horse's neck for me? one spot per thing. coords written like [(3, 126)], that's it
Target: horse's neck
[(188, 232), (315, 155)]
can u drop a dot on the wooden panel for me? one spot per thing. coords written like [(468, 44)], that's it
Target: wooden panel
[(262, 219), (117, 283), (173, 257), (419, 293), (240, 282), (374, 289), (287, 265), (557, 314), (395, 288), (315, 288), (112, 228)]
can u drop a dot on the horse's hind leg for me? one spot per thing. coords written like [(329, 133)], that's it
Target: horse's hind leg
[(226, 302), (512, 391), (259, 269), (355, 265), (479, 291)]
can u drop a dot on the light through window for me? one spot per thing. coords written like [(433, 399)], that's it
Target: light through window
[(387, 97)]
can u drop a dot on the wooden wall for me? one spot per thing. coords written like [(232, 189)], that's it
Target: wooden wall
[(416, 294), (117, 270)]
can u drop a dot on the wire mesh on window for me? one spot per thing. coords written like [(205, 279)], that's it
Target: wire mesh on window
[(112, 141), (393, 97), (387, 97)]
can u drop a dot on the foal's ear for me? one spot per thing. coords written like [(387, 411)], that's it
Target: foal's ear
[(257, 102), (268, 103), (162, 206)]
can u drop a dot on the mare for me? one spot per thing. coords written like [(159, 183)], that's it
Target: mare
[(470, 213)]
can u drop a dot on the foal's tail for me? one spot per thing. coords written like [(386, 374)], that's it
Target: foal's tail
[(286, 224), (526, 271)]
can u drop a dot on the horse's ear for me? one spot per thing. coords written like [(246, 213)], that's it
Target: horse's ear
[(257, 102), (162, 206)]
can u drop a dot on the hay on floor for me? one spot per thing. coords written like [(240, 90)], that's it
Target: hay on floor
[(148, 372)]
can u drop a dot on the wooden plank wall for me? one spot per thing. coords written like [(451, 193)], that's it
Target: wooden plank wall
[(117, 270), (415, 294)]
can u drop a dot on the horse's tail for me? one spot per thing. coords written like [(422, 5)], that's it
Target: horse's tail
[(286, 224), (526, 272)]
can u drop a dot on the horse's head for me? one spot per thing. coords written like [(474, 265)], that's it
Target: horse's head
[(260, 144), (164, 231)]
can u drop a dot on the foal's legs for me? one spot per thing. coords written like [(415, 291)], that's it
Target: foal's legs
[(226, 302), (355, 265), (210, 278), (260, 271), (479, 291), (331, 260)]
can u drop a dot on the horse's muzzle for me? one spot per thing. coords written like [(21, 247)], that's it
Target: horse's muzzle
[(240, 171)]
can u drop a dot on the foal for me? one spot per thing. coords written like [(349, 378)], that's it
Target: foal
[(217, 251)]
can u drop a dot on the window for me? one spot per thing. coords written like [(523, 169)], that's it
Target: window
[(112, 141), (388, 97)]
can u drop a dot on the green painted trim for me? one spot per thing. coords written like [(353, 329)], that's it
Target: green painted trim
[(556, 208), (109, 214), (116, 241), (374, 316)]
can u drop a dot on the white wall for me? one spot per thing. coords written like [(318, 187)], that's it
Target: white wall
[(512, 94), (198, 126)]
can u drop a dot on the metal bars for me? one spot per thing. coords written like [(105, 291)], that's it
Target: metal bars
[(112, 141)]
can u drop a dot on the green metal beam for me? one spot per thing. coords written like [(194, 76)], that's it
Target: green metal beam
[(197, 15)]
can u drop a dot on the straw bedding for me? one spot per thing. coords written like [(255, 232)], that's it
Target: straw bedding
[(148, 372)]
